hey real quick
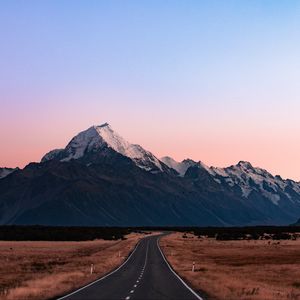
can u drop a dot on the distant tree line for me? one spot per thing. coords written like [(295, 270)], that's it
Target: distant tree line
[(247, 233), (60, 233), (49, 233), (237, 233)]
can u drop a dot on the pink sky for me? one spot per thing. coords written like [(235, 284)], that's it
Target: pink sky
[(200, 133), (216, 81)]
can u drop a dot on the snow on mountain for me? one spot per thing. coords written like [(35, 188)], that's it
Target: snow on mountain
[(181, 167), (243, 175), (52, 154), (251, 179), (6, 171), (246, 177), (97, 138)]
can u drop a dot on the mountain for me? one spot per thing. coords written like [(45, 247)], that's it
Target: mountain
[(253, 181), (297, 223), (247, 179), (101, 179), (269, 194), (180, 167), (6, 171), (98, 139)]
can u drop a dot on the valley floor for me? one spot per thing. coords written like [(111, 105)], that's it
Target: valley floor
[(42, 270), (236, 269)]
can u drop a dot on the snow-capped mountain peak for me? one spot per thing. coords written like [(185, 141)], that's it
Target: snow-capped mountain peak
[(97, 138), (181, 167), (253, 179), (242, 176)]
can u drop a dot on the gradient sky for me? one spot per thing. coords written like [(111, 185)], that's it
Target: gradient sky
[(217, 81)]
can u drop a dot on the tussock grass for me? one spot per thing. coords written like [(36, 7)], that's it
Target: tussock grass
[(42, 270), (247, 269)]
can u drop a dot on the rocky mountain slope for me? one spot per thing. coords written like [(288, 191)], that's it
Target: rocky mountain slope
[(99, 138), (6, 171), (101, 179)]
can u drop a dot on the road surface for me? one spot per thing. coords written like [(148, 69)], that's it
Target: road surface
[(145, 275)]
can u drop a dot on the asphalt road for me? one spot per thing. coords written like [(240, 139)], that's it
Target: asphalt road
[(145, 275)]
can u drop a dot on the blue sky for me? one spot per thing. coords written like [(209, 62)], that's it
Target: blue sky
[(198, 75)]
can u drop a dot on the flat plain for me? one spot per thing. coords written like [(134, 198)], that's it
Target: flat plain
[(246, 269), (43, 270)]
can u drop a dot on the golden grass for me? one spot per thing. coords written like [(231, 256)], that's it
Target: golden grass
[(42, 270), (237, 269)]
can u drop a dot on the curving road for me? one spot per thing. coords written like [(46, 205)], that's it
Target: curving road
[(145, 275)]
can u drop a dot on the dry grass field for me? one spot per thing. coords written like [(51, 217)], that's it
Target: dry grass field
[(41, 270), (232, 270)]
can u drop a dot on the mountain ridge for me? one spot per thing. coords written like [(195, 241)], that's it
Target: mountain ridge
[(101, 136), (6, 171), (101, 179)]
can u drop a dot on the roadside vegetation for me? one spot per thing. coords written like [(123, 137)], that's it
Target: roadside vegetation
[(39, 270), (39, 262), (238, 264)]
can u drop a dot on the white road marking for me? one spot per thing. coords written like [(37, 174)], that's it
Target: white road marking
[(163, 256), (100, 279), (141, 275)]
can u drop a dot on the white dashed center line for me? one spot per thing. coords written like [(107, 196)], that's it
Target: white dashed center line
[(141, 275)]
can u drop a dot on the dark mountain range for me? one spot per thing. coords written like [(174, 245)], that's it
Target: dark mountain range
[(297, 223), (6, 171), (101, 179)]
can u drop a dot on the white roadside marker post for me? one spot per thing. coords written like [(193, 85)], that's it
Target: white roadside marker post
[(92, 268), (193, 267)]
